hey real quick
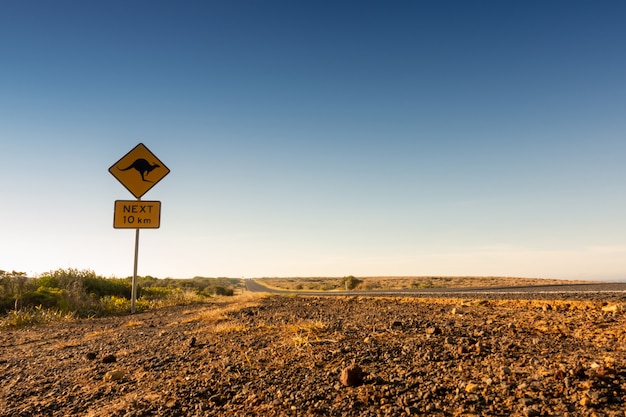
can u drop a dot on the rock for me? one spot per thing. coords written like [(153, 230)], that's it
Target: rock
[(585, 401), (90, 356), (109, 359), (434, 330), (192, 342), (471, 387), (614, 308), (114, 375), (531, 412), (351, 376)]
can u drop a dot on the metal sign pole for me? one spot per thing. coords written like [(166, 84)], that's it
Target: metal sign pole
[(133, 295), (133, 291)]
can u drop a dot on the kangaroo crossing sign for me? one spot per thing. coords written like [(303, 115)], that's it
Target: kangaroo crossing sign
[(139, 170)]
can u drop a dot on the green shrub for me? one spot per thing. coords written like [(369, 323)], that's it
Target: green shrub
[(223, 291), (47, 298), (72, 292), (350, 282), (113, 305), (102, 287), (154, 293)]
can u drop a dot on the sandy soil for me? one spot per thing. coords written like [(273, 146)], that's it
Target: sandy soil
[(284, 356)]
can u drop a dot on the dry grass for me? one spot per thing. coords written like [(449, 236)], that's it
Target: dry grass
[(97, 334), (67, 344), (229, 327), (305, 333)]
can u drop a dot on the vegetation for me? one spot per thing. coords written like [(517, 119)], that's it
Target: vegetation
[(350, 282), (401, 283), (69, 293)]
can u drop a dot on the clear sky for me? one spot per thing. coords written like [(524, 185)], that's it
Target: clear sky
[(317, 138)]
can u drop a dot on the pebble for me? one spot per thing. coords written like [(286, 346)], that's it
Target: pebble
[(109, 359), (114, 375)]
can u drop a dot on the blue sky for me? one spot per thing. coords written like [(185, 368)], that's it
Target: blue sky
[(317, 138)]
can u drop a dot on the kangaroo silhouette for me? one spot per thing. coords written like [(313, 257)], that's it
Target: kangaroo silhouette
[(143, 167)]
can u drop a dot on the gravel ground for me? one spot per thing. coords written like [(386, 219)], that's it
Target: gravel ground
[(315, 356)]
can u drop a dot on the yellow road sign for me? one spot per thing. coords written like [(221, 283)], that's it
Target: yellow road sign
[(139, 170), (137, 214)]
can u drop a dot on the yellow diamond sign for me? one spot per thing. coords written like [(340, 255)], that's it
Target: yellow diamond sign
[(139, 170)]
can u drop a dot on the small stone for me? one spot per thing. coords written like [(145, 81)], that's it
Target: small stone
[(567, 382), (192, 342), (91, 356), (351, 376), (471, 387), (531, 412), (433, 330), (216, 399), (114, 375), (612, 308), (109, 359), (396, 324)]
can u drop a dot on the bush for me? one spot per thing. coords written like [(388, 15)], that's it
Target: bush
[(350, 282), (47, 298), (112, 305), (102, 287), (12, 287), (71, 292), (223, 291), (154, 293)]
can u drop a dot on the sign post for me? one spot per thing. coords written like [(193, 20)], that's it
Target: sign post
[(139, 170)]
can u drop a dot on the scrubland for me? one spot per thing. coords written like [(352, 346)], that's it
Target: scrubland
[(403, 283)]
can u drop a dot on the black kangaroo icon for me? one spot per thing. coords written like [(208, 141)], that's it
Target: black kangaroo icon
[(143, 167)]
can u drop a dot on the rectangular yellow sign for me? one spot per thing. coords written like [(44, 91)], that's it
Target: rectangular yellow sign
[(137, 214)]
